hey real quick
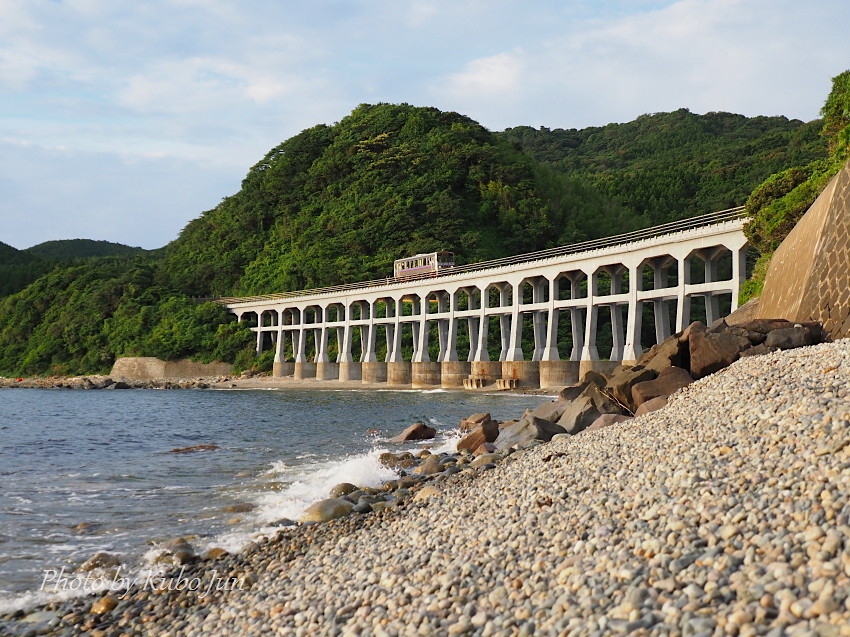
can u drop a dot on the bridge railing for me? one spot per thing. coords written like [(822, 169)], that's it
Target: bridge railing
[(713, 218)]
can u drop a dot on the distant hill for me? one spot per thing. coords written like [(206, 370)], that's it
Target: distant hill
[(11, 256), (667, 166), (67, 249)]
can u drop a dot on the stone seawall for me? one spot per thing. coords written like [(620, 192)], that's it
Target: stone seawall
[(150, 368)]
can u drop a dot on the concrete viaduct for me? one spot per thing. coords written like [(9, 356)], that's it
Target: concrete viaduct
[(585, 306)]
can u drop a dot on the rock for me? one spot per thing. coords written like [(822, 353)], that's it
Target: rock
[(474, 421), (621, 384), (551, 410), (215, 553), (668, 382), (397, 462), (603, 401), (487, 447), (653, 404), (488, 431), (595, 378), (569, 394), (528, 429), (104, 604), (243, 507), (744, 314), (671, 351), (755, 338), (101, 559), (341, 489), (606, 420), (428, 491), (486, 458), (712, 352), (372, 431), (416, 431), (790, 337), (431, 465), (758, 350), (579, 415), (765, 325), (329, 509), (195, 448)]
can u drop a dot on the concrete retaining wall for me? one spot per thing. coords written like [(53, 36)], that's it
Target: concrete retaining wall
[(149, 368)]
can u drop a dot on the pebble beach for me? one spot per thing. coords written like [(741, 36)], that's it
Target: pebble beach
[(724, 513)]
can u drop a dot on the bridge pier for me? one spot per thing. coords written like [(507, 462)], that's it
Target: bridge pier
[(327, 371), (453, 373), (374, 372), (400, 374), (557, 374), (425, 375)]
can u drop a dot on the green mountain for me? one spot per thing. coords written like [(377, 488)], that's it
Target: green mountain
[(338, 203), (68, 249)]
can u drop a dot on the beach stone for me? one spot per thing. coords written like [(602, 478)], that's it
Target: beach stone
[(487, 458), (416, 431), (426, 492), (396, 462), (242, 507), (104, 604), (101, 559), (324, 510), (474, 421), (606, 420), (653, 404), (669, 381), (487, 447), (488, 431), (215, 553), (528, 429), (342, 489), (431, 465)]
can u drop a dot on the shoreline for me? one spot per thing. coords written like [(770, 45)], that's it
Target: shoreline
[(725, 511)]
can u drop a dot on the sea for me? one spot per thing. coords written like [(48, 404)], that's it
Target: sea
[(89, 471)]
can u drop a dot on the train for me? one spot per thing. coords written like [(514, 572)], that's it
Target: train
[(429, 264)]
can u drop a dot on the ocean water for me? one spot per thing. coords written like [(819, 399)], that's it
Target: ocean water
[(89, 471)]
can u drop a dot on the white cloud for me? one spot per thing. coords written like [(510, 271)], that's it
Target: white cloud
[(206, 87)]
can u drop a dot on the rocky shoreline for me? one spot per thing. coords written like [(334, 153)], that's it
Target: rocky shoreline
[(725, 512)]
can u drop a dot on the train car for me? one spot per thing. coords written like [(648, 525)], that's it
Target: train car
[(431, 264)]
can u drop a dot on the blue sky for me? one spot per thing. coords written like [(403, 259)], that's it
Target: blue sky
[(124, 120)]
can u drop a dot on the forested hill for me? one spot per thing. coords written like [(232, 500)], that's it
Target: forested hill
[(338, 203), (68, 249), (671, 165)]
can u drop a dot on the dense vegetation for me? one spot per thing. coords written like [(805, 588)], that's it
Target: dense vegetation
[(778, 203), (339, 203)]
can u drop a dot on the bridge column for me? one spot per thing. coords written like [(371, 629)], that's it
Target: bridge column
[(483, 322), (550, 349), (348, 369), (512, 349), (539, 320), (617, 333), (683, 300), (662, 316), (420, 354), (739, 273), (633, 350), (589, 351)]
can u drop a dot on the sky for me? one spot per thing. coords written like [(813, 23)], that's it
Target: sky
[(124, 120)]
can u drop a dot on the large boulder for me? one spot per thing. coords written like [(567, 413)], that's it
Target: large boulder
[(606, 420), (550, 410), (653, 404), (569, 394), (790, 337), (416, 431), (329, 509), (488, 431), (525, 430), (474, 421), (671, 351), (621, 384), (579, 415), (712, 352), (668, 382)]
